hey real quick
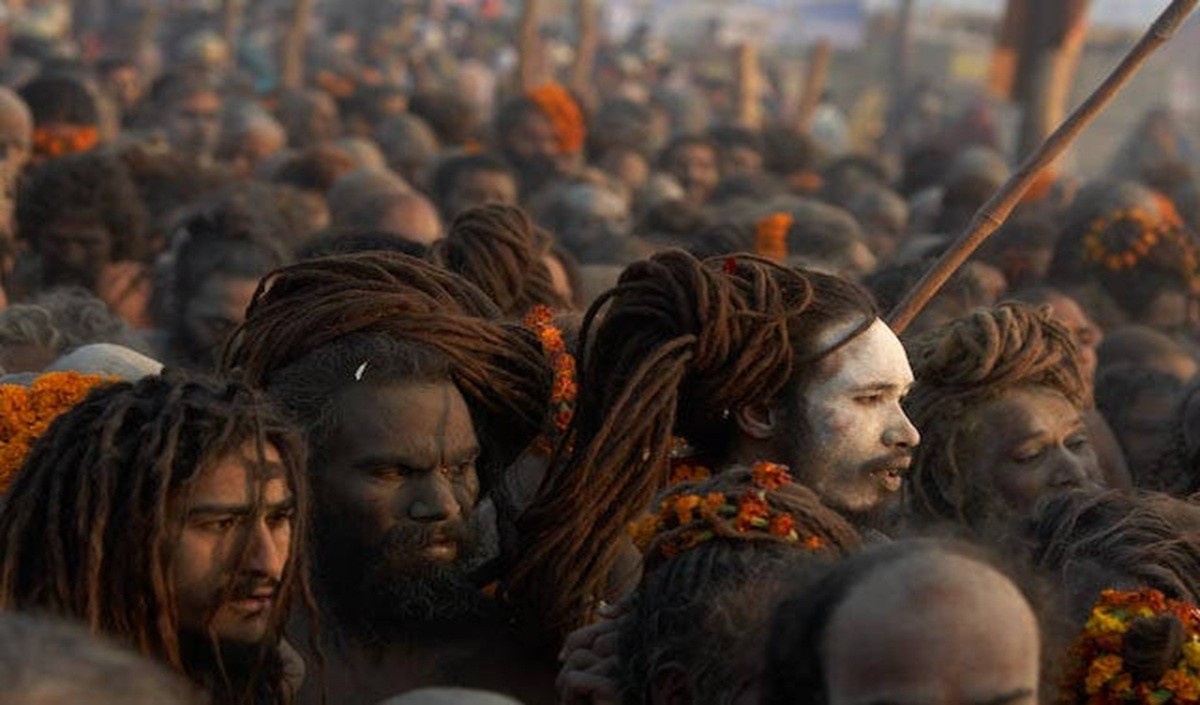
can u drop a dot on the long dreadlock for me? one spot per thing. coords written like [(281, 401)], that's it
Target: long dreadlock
[(86, 525), (676, 347), (969, 362), (301, 312), (707, 603), (499, 249)]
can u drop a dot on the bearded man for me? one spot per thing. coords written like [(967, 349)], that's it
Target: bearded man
[(414, 400), (167, 515)]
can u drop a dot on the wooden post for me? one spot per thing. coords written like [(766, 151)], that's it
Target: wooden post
[(993, 213), (584, 66), (749, 86), (814, 85), (529, 47), (1055, 40), (291, 65), (231, 25)]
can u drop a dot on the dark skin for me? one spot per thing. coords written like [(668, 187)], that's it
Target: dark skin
[(401, 459), (74, 250)]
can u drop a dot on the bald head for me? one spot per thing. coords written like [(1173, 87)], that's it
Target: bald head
[(413, 217)]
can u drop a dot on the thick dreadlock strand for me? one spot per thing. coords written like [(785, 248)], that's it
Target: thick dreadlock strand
[(87, 523), (300, 309), (498, 248), (969, 362), (676, 346)]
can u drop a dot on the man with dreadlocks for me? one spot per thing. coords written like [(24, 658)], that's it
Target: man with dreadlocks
[(414, 399), (999, 399), (167, 515), (722, 362)]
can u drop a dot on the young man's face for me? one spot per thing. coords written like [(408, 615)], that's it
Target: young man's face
[(695, 168), (213, 313), (229, 562), (74, 249), (395, 495), (195, 123), (857, 443)]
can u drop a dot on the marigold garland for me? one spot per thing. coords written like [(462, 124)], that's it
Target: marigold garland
[(60, 140), (1154, 231), (696, 514), (1098, 676), (27, 412), (557, 104), (770, 236), (540, 320)]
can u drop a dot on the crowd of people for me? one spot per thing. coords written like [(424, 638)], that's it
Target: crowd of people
[(421, 381)]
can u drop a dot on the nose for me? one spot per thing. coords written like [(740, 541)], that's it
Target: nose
[(268, 550), (900, 433), (433, 499), (1071, 471)]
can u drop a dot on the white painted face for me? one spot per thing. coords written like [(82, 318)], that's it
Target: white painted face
[(858, 443)]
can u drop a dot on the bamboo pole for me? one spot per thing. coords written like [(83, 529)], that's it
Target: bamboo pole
[(993, 213), (814, 85), (291, 71)]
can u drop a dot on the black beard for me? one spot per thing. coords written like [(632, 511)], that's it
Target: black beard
[(232, 672), (386, 591)]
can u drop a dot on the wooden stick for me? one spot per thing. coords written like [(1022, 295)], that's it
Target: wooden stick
[(993, 213), (291, 71), (585, 52), (814, 86), (749, 86), (529, 47)]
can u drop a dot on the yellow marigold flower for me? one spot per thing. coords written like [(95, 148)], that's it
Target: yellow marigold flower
[(1106, 623), (1191, 652)]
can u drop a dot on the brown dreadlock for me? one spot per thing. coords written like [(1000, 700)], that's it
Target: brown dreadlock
[(676, 347), (498, 248), (86, 526), (311, 325), (701, 606), (966, 363)]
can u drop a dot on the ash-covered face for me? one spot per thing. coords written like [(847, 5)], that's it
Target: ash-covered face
[(1025, 445), (856, 443), (395, 493)]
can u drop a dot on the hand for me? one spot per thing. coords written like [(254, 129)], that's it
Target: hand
[(590, 664)]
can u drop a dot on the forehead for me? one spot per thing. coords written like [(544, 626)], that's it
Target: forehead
[(235, 477), (419, 421), (874, 357), (1025, 411)]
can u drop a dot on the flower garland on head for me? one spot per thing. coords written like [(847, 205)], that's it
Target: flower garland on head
[(770, 236), (540, 320), (1154, 231), (60, 140), (27, 412), (685, 520), (557, 104), (1100, 673)]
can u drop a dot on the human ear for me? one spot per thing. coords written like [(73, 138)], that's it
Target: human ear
[(759, 421)]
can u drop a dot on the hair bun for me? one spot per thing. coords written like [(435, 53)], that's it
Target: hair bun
[(1153, 646)]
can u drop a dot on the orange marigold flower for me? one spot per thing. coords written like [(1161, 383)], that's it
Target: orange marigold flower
[(783, 525), (771, 476), (643, 531), (685, 508), (1101, 671), (1185, 686), (814, 543), (713, 502), (752, 513), (689, 473)]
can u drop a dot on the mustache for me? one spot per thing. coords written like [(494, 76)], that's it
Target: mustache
[(405, 541), (901, 461), (253, 587)]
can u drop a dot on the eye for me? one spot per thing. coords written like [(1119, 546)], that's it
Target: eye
[(284, 516), (870, 399), (221, 525), (1078, 443), (1025, 456)]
